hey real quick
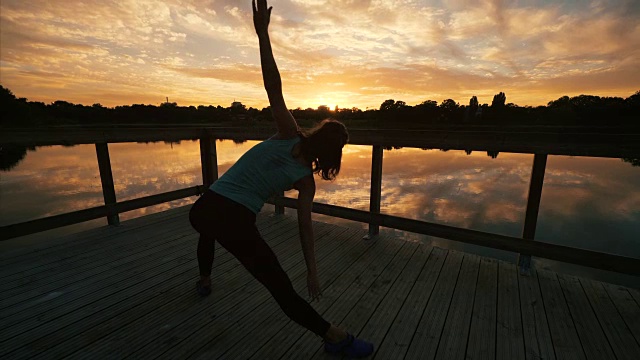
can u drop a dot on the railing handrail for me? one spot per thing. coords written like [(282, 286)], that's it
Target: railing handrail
[(590, 258), (207, 137)]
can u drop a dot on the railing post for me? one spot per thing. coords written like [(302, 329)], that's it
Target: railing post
[(106, 177), (209, 160), (376, 190), (533, 205)]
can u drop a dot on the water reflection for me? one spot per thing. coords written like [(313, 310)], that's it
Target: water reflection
[(11, 156), (586, 202)]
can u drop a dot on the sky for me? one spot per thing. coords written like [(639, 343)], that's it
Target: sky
[(349, 53)]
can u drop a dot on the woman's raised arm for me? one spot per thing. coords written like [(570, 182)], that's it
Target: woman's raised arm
[(287, 126)]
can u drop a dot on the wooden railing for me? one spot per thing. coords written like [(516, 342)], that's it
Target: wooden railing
[(541, 143)]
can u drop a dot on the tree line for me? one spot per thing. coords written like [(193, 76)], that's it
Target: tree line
[(587, 110)]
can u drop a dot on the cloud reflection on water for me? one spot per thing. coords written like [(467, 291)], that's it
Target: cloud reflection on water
[(586, 202)]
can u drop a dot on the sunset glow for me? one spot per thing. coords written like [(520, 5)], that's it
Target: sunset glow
[(336, 52)]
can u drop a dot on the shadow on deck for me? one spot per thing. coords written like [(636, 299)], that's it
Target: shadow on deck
[(129, 292)]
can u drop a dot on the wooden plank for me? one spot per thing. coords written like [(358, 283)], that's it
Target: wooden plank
[(482, 333), (81, 243), (617, 263), (509, 336), (175, 324), (537, 338), (617, 333), (360, 262), (370, 301), (81, 293), (635, 294), (226, 327), (87, 287), (9, 256), (47, 270), (427, 336), (453, 341), (563, 332), (269, 319), (208, 160), (629, 310), (593, 340), (232, 345), (403, 328), (380, 322), (89, 248), (114, 301), (56, 221), (376, 188), (96, 258), (308, 344), (533, 205), (106, 178)]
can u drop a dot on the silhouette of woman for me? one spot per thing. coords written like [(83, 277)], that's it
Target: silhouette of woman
[(227, 211)]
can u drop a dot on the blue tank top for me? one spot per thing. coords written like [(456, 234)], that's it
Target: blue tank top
[(265, 170)]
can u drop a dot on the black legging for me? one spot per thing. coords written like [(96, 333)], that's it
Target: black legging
[(217, 218)]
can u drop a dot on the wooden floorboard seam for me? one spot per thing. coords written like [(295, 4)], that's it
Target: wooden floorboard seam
[(261, 306), (266, 322), (168, 304), (181, 249), (262, 332), (174, 276), (118, 292), (258, 299), (403, 328)]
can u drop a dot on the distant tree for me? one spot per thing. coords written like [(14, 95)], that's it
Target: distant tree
[(632, 161), (472, 109), (633, 101), (6, 94), (388, 105), (428, 104), (11, 155), (323, 112), (449, 104), (560, 102), (499, 100)]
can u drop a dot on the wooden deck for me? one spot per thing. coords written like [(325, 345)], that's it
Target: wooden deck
[(128, 292)]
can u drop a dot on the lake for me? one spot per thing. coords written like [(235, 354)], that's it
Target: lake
[(591, 203)]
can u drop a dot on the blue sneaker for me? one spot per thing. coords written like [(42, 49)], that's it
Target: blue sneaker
[(351, 347)]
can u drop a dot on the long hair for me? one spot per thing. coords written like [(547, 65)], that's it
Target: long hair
[(322, 147)]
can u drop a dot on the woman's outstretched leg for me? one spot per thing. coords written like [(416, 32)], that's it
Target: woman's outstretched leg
[(258, 258)]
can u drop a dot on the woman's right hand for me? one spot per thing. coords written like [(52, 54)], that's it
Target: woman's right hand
[(261, 16), (313, 286)]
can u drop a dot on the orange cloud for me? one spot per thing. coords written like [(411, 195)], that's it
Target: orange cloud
[(353, 53)]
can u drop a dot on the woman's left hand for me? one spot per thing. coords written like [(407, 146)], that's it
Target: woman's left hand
[(313, 285), (261, 16)]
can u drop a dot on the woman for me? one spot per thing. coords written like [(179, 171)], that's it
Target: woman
[(227, 211)]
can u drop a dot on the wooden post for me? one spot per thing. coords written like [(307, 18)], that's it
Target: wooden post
[(376, 190), (533, 205), (106, 177), (209, 160)]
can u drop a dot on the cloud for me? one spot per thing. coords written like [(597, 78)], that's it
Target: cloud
[(374, 50)]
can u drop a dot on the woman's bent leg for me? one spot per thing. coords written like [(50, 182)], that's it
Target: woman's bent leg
[(258, 258), (206, 254)]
